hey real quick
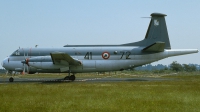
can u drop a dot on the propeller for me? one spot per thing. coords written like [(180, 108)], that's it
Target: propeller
[(25, 61)]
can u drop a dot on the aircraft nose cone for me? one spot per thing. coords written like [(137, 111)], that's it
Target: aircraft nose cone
[(2, 63)]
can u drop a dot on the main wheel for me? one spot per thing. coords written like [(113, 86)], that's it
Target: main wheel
[(72, 77), (66, 78), (11, 79)]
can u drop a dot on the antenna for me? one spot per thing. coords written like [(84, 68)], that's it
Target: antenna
[(146, 17)]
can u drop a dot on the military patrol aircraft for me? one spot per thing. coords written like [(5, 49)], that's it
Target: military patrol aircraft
[(96, 58)]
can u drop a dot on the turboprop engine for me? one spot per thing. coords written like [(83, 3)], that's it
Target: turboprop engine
[(42, 62)]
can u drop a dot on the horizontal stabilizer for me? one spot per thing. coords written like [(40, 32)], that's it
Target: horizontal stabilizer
[(156, 47), (63, 58)]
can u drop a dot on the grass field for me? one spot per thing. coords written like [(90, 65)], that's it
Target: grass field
[(182, 94)]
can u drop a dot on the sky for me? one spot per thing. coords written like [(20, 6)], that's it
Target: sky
[(55, 23)]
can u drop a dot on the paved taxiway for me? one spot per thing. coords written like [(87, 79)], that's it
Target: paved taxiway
[(4, 80)]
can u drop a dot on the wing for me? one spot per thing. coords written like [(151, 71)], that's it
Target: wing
[(63, 58)]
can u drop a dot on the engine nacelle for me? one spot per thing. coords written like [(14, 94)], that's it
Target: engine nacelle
[(40, 59), (42, 62), (45, 62), (45, 65)]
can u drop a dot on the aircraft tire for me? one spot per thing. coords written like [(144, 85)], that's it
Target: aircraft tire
[(72, 77), (11, 79), (66, 78)]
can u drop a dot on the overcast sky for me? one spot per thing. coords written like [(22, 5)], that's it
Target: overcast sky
[(55, 23)]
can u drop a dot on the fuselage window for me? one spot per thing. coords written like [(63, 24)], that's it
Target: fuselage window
[(17, 53)]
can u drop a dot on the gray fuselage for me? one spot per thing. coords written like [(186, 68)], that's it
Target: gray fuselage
[(91, 58)]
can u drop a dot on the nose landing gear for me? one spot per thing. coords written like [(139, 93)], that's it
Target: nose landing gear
[(11, 79)]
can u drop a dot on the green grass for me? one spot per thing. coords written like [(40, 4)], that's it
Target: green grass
[(182, 94)]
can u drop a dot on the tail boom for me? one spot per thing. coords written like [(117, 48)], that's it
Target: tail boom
[(177, 52)]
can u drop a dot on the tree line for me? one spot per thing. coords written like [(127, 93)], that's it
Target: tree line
[(175, 66)]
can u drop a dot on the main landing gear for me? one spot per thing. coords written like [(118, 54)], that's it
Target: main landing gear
[(70, 77)]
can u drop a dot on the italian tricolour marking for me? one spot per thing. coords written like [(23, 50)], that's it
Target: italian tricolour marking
[(105, 55)]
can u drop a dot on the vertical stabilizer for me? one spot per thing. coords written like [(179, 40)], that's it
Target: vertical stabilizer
[(157, 32)]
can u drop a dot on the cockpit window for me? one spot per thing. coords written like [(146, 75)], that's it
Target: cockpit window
[(16, 53)]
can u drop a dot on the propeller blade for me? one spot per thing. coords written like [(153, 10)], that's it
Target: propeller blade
[(23, 70), (27, 59), (27, 65), (27, 68)]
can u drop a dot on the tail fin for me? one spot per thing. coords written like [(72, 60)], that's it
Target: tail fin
[(157, 32)]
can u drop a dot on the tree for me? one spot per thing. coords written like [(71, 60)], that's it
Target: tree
[(189, 68), (193, 68), (175, 66), (2, 71)]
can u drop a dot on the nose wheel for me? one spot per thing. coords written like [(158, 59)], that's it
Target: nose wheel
[(11, 79)]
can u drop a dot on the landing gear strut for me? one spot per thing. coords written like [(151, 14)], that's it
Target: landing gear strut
[(70, 77)]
